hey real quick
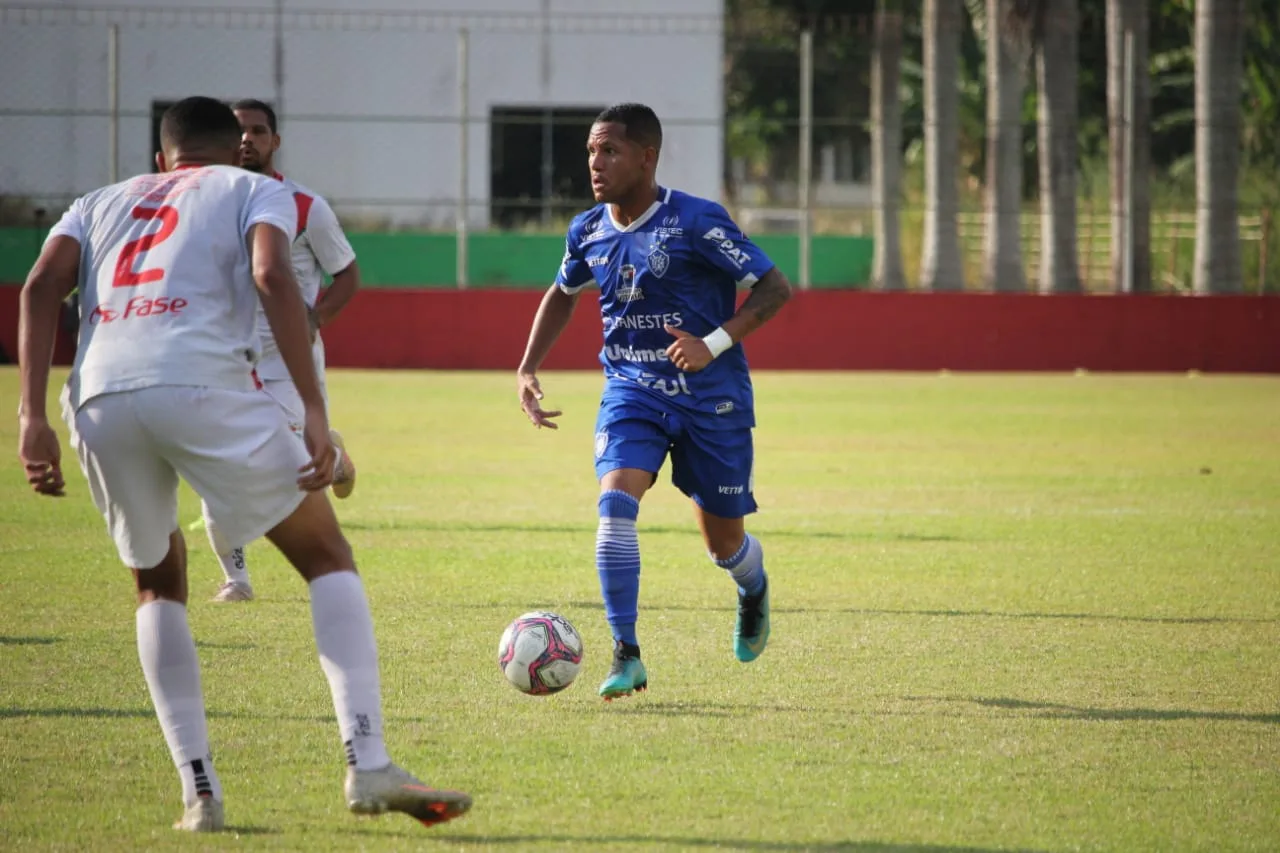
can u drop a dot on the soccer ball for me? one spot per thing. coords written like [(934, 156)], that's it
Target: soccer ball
[(540, 653)]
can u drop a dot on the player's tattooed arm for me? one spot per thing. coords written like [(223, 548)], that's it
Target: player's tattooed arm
[(768, 295)]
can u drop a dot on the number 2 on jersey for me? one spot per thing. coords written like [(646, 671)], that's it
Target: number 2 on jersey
[(125, 276)]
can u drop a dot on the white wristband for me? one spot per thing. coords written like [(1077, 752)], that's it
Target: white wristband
[(718, 341)]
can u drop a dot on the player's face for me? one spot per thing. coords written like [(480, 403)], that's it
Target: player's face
[(618, 165), (257, 143)]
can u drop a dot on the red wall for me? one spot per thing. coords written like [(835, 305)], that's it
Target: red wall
[(830, 329), (826, 329)]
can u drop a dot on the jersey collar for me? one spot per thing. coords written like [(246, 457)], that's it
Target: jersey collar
[(664, 196)]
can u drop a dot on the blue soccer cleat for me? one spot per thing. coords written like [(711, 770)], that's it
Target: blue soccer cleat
[(751, 633), (626, 676)]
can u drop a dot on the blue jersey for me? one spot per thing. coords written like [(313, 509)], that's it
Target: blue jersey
[(679, 264)]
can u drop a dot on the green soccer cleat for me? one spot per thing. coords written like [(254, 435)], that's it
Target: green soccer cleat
[(626, 676), (751, 634)]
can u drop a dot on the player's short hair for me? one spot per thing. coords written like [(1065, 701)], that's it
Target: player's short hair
[(261, 106), (641, 123), (199, 122)]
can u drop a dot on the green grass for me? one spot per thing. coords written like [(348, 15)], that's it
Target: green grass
[(1015, 612)]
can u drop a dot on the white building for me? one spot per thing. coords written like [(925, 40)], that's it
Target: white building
[(369, 101)]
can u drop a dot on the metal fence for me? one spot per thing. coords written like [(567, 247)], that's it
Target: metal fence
[(402, 119)]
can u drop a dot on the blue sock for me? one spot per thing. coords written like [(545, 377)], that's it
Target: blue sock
[(618, 563), (747, 566)]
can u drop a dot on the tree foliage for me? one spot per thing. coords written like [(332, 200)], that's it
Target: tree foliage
[(763, 78)]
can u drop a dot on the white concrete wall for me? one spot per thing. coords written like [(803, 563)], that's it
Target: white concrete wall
[(340, 72)]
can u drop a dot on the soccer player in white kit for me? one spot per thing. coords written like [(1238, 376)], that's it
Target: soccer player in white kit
[(320, 248), (171, 269)]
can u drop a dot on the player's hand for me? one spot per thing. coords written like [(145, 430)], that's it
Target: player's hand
[(318, 473), (530, 392), (688, 352), (41, 457)]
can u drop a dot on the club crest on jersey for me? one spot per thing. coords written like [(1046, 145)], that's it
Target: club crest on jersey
[(658, 260), (627, 290)]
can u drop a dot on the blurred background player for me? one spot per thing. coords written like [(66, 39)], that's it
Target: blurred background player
[(676, 379), (172, 268), (320, 248)]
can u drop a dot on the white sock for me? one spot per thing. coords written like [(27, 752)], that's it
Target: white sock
[(349, 657), (169, 663), (233, 566), (231, 559)]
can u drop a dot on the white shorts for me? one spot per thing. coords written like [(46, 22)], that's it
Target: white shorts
[(234, 448), (284, 392)]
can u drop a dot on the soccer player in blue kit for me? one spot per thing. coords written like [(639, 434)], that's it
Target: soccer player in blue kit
[(676, 381)]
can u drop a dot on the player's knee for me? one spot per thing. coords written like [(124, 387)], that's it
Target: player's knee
[(166, 580)]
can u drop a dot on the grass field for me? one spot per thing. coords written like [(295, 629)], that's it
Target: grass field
[(1010, 613)]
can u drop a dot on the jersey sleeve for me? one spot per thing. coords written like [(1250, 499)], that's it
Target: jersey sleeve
[(269, 203), (574, 273), (328, 242), (722, 245), (71, 224)]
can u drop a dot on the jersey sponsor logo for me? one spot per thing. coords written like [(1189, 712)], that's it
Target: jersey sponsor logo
[(622, 352), (731, 490), (138, 306), (665, 233), (670, 387), (598, 261), (726, 246), (658, 261), (673, 219), (628, 291), (593, 232), (642, 321), (724, 408)]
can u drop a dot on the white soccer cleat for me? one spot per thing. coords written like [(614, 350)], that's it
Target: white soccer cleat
[(234, 591), (205, 816), (391, 789), (344, 474)]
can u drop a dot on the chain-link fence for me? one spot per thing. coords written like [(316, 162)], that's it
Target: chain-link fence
[(473, 122)]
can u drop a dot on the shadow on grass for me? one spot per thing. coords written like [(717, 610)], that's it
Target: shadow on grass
[(645, 707), (251, 830), (1057, 711), (28, 641), (657, 529), (688, 843)]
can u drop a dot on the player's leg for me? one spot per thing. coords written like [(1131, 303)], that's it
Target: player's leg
[(235, 571), (311, 539), (630, 449), (714, 468), (245, 466), (136, 491), (344, 468)]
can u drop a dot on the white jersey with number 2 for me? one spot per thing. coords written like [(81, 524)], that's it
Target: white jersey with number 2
[(166, 290)]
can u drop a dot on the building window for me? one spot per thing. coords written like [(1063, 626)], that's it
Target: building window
[(538, 165)]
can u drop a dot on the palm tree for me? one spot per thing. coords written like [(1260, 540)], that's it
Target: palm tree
[(941, 267), (1219, 62), (886, 146), (1129, 18), (1057, 120), (1002, 242)]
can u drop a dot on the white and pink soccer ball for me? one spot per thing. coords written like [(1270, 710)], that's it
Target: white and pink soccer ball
[(540, 653)]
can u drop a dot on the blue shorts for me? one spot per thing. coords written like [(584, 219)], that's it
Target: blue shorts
[(711, 466)]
